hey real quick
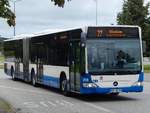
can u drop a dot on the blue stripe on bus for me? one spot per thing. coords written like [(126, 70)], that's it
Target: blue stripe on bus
[(141, 77), (109, 90), (47, 80), (100, 90), (51, 81), (54, 82)]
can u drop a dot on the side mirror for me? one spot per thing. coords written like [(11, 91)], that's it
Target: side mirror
[(144, 46)]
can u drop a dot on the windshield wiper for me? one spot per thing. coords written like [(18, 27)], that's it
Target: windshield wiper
[(115, 72), (132, 72), (103, 73)]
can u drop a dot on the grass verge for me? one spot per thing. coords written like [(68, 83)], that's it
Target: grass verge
[(147, 68), (5, 107), (1, 62), (1, 66), (2, 58)]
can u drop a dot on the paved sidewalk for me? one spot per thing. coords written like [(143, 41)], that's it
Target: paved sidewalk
[(147, 77)]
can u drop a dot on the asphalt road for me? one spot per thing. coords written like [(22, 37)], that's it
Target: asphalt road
[(28, 99)]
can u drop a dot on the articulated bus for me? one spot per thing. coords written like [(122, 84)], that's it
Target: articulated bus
[(89, 60)]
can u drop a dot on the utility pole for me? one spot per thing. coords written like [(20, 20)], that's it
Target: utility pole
[(96, 10), (14, 4), (15, 17)]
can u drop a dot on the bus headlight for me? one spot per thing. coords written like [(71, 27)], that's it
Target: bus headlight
[(89, 85), (86, 80), (138, 84)]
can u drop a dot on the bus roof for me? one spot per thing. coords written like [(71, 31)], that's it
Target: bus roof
[(41, 33), (53, 31)]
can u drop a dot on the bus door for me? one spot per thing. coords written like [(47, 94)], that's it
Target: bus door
[(26, 59), (39, 63), (17, 68), (75, 65)]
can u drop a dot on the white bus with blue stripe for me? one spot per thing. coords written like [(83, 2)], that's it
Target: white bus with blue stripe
[(89, 60)]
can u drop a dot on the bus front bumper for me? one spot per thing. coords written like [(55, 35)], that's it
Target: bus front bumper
[(111, 90)]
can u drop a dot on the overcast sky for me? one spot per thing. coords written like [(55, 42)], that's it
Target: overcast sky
[(37, 15)]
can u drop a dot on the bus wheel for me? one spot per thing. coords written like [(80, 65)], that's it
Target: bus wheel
[(33, 79), (63, 87), (13, 74)]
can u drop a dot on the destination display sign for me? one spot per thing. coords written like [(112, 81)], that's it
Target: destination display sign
[(113, 32)]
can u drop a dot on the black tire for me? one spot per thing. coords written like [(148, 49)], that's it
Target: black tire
[(63, 86), (114, 94), (33, 79), (13, 74)]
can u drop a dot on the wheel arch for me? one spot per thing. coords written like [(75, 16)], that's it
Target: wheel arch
[(62, 75), (32, 72), (11, 69)]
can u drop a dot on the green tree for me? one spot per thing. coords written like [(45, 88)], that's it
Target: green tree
[(7, 14), (134, 12), (59, 3)]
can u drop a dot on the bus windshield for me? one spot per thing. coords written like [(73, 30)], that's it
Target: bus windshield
[(114, 56)]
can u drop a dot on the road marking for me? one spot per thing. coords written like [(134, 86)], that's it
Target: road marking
[(68, 103), (99, 108), (59, 102), (51, 103), (44, 104), (24, 90), (30, 105)]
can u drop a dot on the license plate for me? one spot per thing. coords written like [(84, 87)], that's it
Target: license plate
[(115, 90)]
